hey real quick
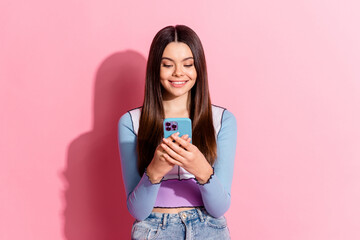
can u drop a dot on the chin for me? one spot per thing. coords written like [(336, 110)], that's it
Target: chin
[(173, 94)]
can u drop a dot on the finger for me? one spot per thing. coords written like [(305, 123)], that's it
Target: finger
[(172, 160), (185, 137), (160, 149), (173, 153), (162, 157), (171, 143), (170, 138), (182, 142)]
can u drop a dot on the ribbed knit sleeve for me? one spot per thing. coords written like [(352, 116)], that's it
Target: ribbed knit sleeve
[(216, 192), (141, 193)]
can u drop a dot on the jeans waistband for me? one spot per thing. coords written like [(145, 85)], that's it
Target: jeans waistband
[(165, 218)]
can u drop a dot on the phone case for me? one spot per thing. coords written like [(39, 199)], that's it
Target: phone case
[(173, 125)]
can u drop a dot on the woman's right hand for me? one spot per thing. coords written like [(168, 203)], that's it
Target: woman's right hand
[(159, 166)]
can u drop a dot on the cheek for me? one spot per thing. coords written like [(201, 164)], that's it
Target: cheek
[(192, 73), (164, 73)]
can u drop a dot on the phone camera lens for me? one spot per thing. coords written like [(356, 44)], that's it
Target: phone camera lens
[(167, 124), (168, 129)]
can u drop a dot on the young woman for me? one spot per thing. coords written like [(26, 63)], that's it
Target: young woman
[(177, 188)]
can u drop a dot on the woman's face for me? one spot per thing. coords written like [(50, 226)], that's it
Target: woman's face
[(177, 70)]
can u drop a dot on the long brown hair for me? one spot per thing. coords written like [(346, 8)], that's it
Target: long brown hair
[(152, 114)]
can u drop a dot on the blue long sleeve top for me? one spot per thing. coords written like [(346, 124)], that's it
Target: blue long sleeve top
[(143, 196)]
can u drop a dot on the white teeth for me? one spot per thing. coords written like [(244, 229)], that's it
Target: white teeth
[(178, 82)]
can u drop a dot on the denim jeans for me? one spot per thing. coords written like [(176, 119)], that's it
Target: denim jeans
[(192, 224)]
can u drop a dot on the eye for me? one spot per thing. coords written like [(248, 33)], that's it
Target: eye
[(166, 65), (188, 65)]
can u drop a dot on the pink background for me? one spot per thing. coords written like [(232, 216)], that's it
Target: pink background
[(288, 70)]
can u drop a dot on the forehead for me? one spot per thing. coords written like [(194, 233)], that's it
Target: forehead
[(177, 50)]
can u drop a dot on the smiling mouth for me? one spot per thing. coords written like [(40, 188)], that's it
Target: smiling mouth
[(178, 83)]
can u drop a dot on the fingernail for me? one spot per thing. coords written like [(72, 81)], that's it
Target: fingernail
[(186, 135), (177, 134), (165, 140)]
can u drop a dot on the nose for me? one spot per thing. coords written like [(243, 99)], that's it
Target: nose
[(178, 71)]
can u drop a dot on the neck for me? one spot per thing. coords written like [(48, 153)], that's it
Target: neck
[(177, 107)]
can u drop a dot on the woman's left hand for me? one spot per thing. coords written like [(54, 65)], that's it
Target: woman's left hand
[(187, 156)]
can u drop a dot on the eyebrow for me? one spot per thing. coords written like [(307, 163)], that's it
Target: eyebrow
[(174, 61)]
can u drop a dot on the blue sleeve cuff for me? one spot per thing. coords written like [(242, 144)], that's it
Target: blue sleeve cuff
[(141, 201), (216, 199)]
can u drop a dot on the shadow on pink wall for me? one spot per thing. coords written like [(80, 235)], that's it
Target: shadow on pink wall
[(95, 196)]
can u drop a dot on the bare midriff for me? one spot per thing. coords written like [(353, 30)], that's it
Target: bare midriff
[(171, 210)]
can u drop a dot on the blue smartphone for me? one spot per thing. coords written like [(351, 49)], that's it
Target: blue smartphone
[(173, 125)]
